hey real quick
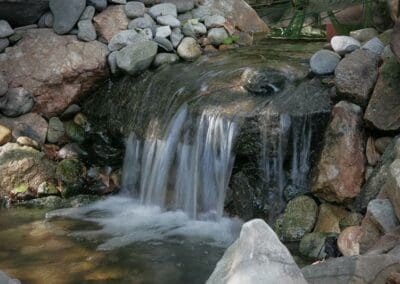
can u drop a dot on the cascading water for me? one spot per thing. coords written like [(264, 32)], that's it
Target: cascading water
[(189, 169)]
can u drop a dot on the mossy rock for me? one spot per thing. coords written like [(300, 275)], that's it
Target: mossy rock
[(75, 132), (70, 173), (312, 245), (22, 188), (298, 219)]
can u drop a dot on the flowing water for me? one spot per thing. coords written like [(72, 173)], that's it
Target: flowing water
[(184, 125)]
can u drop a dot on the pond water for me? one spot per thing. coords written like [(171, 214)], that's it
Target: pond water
[(110, 245)]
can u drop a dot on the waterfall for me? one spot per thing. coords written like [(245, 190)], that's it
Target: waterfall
[(188, 169)]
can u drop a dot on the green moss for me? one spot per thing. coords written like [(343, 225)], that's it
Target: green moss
[(22, 188), (231, 40), (70, 170), (74, 132)]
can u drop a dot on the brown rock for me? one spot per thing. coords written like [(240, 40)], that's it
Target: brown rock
[(370, 234), (55, 69), (329, 218), (386, 243), (339, 173), (349, 241), (383, 111), (239, 13), (382, 143), (371, 152), (395, 41), (111, 21), (356, 75), (394, 278), (5, 135)]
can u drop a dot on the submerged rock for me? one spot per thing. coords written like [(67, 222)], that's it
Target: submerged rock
[(55, 69), (257, 257), (339, 174)]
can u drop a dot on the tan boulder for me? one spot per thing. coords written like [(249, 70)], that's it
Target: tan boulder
[(55, 69)]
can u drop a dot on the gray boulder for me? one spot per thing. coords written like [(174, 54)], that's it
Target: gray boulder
[(363, 35), (382, 214), (257, 257), (164, 31), (344, 44), (22, 12), (193, 28), (176, 37), (124, 38), (135, 9), (164, 43), (88, 13), (169, 20), (15, 102), (86, 30), (146, 33), (55, 130), (137, 57), (189, 49), (163, 10), (99, 5), (181, 5), (217, 35), (5, 29), (142, 23), (374, 45), (4, 43), (66, 14), (214, 21), (324, 62), (165, 58)]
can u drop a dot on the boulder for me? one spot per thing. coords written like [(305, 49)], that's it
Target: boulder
[(355, 76), (5, 29), (70, 173), (324, 62), (257, 257), (86, 30), (5, 135), (383, 110), (214, 21), (144, 22), (56, 130), (110, 22), (26, 141), (364, 34), (395, 40), (163, 31), (99, 5), (134, 9), (189, 49), (165, 58), (22, 12), (339, 173), (15, 102), (163, 10), (217, 35), (31, 125), (344, 44), (316, 245), (168, 20), (242, 16), (194, 28), (329, 217), (66, 14), (392, 186), (88, 13), (349, 241), (164, 43), (176, 37), (353, 269), (55, 69), (298, 219), (22, 165), (374, 45), (124, 38), (181, 5), (382, 214), (352, 219), (137, 57)]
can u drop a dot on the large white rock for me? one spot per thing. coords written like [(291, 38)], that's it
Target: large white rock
[(344, 44), (257, 257)]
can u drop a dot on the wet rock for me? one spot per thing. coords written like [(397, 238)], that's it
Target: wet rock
[(144, 22), (70, 112), (344, 44), (100, 5), (47, 188), (66, 14), (23, 12), (5, 29), (71, 173), (55, 69), (70, 151), (361, 269), (181, 5), (110, 22), (374, 45), (217, 35), (364, 34), (242, 15), (329, 217), (137, 57), (31, 125), (256, 257), (5, 135), (15, 102), (163, 10), (349, 241), (22, 165), (164, 31), (324, 62), (56, 130), (4, 43), (26, 141), (312, 245), (134, 9), (214, 21), (75, 132), (164, 43), (124, 38), (189, 49), (169, 20), (383, 108), (81, 120), (352, 219), (382, 143), (112, 62), (88, 13), (298, 219), (339, 174), (193, 29), (355, 76), (395, 40), (86, 30), (382, 214)]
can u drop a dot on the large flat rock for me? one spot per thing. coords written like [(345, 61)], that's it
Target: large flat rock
[(55, 69)]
